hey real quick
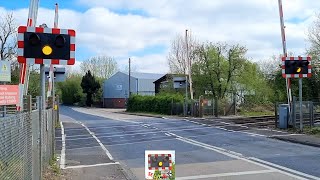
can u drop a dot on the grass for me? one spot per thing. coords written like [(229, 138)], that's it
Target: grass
[(306, 130), (248, 113), (53, 165), (313, 131), (58, 125)]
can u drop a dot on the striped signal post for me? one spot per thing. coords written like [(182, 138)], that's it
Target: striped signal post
[(24, 70), (297, 67), (285, 54)]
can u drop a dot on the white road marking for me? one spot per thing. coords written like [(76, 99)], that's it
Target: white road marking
[(284, 168), (248, 159), (142, 142), (225, 174), (224, 122), (222, 128), (286, 135), (92, 165), (63, 149), (274, 130), (95, 137), (252, 134), (84, 147), (108, 136)]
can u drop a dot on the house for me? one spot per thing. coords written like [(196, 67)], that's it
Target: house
[(170, 82), (116, 88)]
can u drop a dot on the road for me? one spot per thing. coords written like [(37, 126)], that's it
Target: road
[(108, 142)]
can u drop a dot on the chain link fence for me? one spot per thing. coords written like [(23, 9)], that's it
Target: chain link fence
[(20, 143)]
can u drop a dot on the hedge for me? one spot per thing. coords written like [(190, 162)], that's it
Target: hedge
[(161, 104)]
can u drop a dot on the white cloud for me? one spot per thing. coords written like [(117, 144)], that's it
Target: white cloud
[(254, 23)]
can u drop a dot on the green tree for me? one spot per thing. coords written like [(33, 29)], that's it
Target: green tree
[(70, 90), (89, 86), (217, 68)]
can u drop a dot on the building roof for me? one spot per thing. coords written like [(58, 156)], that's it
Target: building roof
[(166, 76), (145, 75)]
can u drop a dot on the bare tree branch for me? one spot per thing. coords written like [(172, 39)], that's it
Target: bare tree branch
[(100, 66), (8, 34), (177, 57)]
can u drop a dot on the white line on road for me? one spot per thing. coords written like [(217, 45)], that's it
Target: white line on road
[(92, 165), (239, 156), (252, 134), (225, 174), (63, 149), (286, 135), (95, 137), (284, 168)]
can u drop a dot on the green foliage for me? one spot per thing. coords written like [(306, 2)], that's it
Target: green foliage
[(310, 86), (71, 91), (34, 84), (155, 104), (173, 172), (157, 175), (89, 86)]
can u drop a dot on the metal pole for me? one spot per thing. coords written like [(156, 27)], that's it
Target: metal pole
[(37, 128), (186, 102), (4, 107), (129, 77), (189, 65), (300, 104)]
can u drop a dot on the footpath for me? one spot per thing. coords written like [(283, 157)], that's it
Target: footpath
[(286, 135)]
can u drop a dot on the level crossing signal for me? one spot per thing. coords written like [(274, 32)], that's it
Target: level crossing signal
[(296, 67), (38, 45)]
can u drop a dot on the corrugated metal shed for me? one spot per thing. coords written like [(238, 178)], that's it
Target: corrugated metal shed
[(141, 83)]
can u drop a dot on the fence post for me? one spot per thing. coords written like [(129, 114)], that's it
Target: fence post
[(41, 116), (53, 128), (36, 139), (276, 115), (294, 112), (311, 114), (57, 108)]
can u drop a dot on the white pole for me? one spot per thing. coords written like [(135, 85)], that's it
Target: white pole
[(283, 35)]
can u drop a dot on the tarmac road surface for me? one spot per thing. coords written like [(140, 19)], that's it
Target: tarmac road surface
[(99, 143)]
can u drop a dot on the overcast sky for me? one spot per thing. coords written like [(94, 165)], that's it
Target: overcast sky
[(143, 29)]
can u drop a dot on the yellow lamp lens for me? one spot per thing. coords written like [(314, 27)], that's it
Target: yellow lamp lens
[(160, 164), (299, 70), (47, 50)]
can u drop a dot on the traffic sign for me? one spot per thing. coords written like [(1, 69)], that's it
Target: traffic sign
[(9, 95), (5, 71), (296, 67), (38, 45), (59, 74), (159, 164)]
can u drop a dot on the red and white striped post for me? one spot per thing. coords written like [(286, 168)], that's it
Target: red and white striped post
[(285, 54), (24, 76)]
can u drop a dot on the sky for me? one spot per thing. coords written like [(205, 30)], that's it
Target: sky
[(143, 29)]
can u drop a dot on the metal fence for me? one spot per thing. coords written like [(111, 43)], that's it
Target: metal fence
[(23, 154), (310, 113)]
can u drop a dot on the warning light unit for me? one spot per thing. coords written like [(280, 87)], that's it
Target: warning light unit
[(160, 165), (38, 45), (296, 67)]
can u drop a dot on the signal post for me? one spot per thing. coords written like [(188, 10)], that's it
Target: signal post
[(297, 67)]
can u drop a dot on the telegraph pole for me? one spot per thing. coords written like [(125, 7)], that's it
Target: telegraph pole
[(189, 66), (129, 77)]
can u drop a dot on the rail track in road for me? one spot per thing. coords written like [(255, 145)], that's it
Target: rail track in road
[(257, 121)]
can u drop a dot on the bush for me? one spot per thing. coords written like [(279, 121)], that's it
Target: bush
[(161, 104)]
